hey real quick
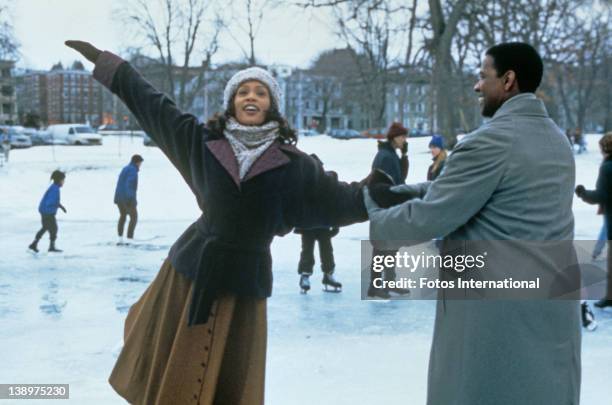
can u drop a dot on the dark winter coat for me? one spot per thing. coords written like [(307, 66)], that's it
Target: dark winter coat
[(228, 247), (387, 160), (331, 230), (127, 184), (50, 201), (602, 193), (433, 174)]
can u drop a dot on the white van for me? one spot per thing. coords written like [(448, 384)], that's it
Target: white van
[(74, 134)]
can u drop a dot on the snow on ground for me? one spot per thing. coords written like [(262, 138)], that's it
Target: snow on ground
[(62, 315)]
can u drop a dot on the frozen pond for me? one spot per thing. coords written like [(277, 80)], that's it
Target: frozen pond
[(62, 316)]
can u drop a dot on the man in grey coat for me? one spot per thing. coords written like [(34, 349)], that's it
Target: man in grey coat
[(511, 179)]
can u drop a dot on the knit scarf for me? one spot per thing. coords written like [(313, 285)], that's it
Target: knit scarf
[(249, 142)]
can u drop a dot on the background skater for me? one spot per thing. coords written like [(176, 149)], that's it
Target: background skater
[(321, 235), (396, 167), (125, 197), (48, 209)]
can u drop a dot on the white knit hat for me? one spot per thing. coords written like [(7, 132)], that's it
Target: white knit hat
[(252, 73)]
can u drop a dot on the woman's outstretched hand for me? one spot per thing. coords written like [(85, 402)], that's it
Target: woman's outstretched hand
[(86, 49)]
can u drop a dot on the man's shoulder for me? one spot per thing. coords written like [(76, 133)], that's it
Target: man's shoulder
[(487, 136)]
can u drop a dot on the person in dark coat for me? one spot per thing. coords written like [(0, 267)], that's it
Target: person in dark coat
[(438, 153), (602, 195), (198, 334), (125, 196), (323, 236), (396, 168), (48, 209), (579, 140), (386, 158)]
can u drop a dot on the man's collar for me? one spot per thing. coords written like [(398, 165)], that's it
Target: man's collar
[(522, 104)]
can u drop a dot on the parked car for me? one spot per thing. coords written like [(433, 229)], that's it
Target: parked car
[(308, 132), (39, 137), (376, 133), (75, 134), (416, 133), (147, 141), (344, 134), (16, 137)]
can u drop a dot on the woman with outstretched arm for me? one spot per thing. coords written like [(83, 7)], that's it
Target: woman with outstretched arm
[(198, 333)]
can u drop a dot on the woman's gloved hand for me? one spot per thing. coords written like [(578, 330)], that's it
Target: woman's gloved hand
[(383, 196), (86, 49), (580, 190)]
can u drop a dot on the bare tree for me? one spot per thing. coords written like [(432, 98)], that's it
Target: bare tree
[(246, 19), (9, 46), (577, 76), (368, 30), (444, 28), (186, 25)]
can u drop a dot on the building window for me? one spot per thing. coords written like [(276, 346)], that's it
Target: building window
[(7, 91), (7, 108), (6, 72)]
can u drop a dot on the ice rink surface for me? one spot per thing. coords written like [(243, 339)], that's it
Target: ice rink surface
[(62, 315)]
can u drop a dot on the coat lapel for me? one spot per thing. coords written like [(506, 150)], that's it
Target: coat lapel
[(272, 158), (222, 150)]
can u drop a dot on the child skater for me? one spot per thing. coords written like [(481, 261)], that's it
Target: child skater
[(48, 208)]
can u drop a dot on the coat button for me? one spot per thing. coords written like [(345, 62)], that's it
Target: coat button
[(210, 331), (195, 396), (203, 364), (199, 380), (206, 348)]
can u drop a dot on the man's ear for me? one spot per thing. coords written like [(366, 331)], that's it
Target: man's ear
[(510, 80)]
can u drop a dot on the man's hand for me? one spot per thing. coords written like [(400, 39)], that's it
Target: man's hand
[(384, 197), (580, 190), (63, 209), (86, 49)]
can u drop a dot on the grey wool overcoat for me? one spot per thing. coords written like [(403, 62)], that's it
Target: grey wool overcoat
[(511, 179)]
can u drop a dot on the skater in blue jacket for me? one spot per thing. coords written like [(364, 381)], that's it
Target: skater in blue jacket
[(48, 208), (125, 197)]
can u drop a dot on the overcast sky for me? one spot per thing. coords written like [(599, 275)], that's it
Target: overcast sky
[(41, 26)]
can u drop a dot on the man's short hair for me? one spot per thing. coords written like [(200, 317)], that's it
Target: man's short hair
[(522, 59), (136, 159)]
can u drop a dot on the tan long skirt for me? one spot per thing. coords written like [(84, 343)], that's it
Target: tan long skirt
[(164, 361)]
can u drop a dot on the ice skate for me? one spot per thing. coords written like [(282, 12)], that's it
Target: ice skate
[(304, 283), (53, 249), (603, 303), (397, 291), (33, 247), (330, 281), (588, 319), (120, 241), (381, 293)]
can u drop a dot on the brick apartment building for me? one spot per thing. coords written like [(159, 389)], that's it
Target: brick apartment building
[(60, 95), (8, 104), (73, 95)]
